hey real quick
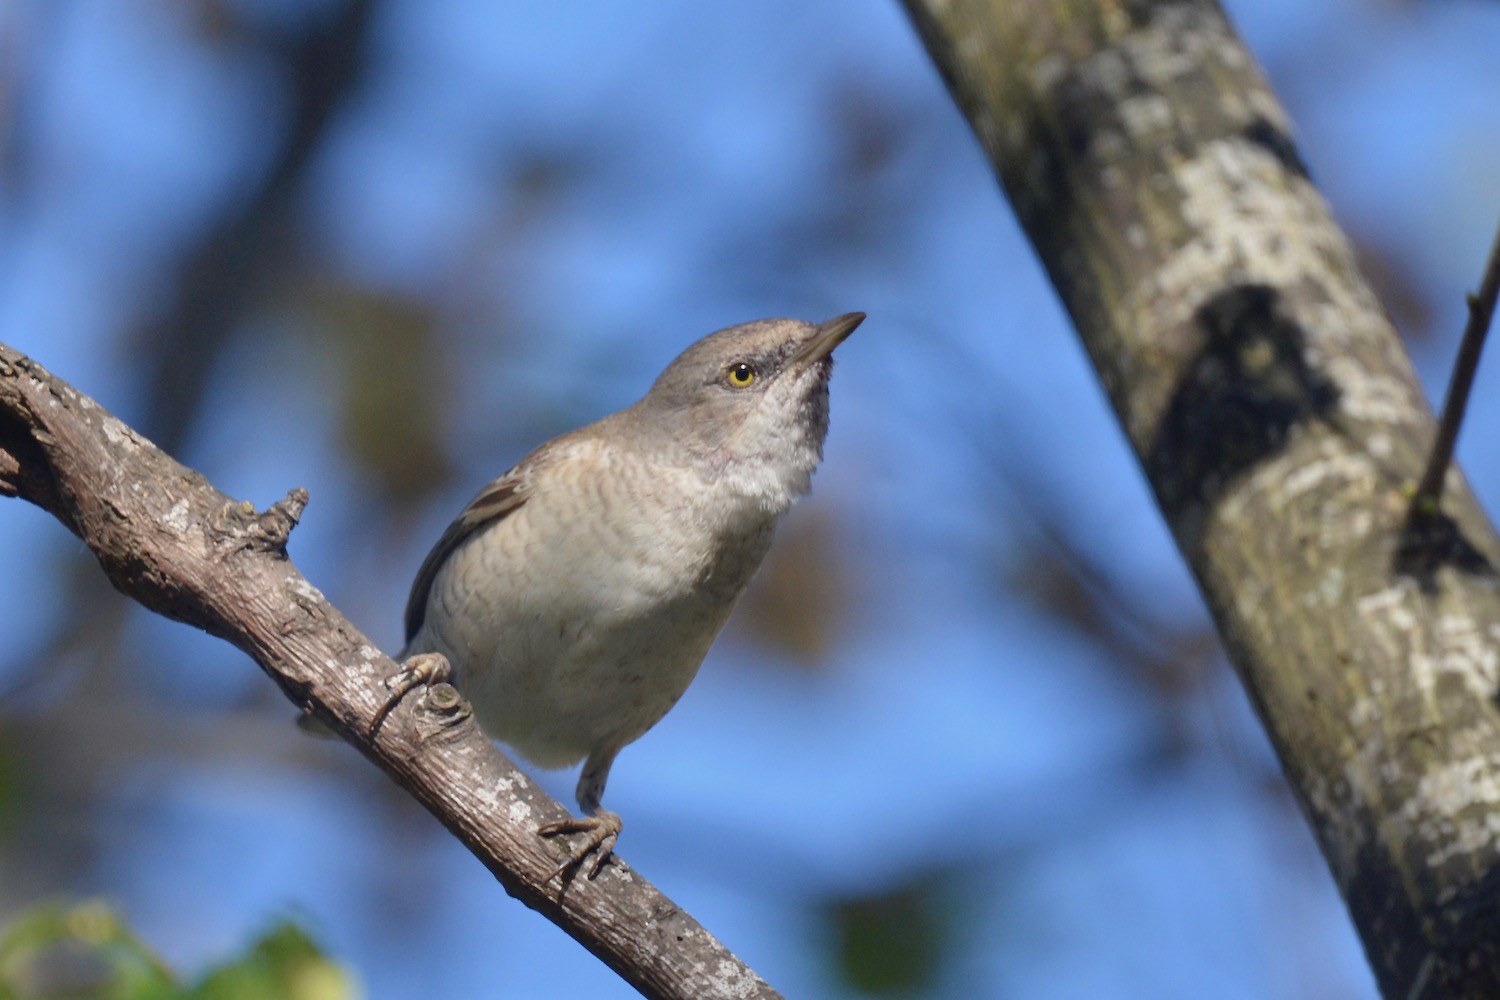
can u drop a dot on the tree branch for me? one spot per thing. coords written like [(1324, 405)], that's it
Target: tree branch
[(1428, 499), (1277, 417), (165, 537)]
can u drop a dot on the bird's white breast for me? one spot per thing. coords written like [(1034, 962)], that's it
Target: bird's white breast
[(641, 574)]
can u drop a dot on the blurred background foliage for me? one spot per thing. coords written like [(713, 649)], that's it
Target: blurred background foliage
[(969, 735), (85, 952)]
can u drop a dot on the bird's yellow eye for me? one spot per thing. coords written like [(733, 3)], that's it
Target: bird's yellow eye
[(740, 375)]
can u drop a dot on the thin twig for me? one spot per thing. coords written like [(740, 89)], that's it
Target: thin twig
[(1429, 496)]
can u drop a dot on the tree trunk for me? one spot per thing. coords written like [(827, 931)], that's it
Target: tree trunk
[(1277, 416)]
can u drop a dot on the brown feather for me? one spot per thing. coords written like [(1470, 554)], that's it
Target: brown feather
[(493, 503)]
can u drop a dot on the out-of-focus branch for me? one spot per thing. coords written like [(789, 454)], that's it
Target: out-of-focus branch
[(166, 538), (1278, 418), (320, 62), (246, 246)]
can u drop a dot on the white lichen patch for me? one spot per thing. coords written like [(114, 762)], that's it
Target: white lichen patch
[(518, 813), (1146, 115), (1251, 601), (368, 656), (1382, 600), (732, 980), (303, 589), (1249, 228), (1464, 650), (1454, 808), (1235, 196), (1335, 468), (1391, 623), (1330, 590), (1367, 396), (1366, 712), (177, 520), (489, 798), (1456, 649), (118, 434), (1329, 486), (1359, 523), (1167, 50)]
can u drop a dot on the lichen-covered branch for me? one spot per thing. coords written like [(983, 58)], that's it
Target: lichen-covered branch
[(168, 539), (1277, 417)]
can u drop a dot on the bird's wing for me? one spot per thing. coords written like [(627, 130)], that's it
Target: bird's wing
[(494, 502)]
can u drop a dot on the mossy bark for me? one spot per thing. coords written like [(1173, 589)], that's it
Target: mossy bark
[(1278, 418)]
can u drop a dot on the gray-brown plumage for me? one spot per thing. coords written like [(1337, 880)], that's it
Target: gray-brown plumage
[(576, 596)]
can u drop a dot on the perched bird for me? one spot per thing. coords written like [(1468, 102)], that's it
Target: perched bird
[(576, 596)]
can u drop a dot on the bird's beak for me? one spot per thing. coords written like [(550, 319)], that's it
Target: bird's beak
[(827, 336)]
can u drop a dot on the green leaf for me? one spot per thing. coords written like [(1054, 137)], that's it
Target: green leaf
[(84, 951), (283, 965)]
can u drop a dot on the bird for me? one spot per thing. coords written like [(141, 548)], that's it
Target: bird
[(575, 597)]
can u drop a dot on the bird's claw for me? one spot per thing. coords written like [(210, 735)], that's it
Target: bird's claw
[(603, 829), (420, 670)]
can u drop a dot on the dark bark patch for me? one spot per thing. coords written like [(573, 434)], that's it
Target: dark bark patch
[(1238, 400), (1429, 543), (1261, 133)]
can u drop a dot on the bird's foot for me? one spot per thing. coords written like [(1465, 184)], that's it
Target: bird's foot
[(603, 829), (422, 669)]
